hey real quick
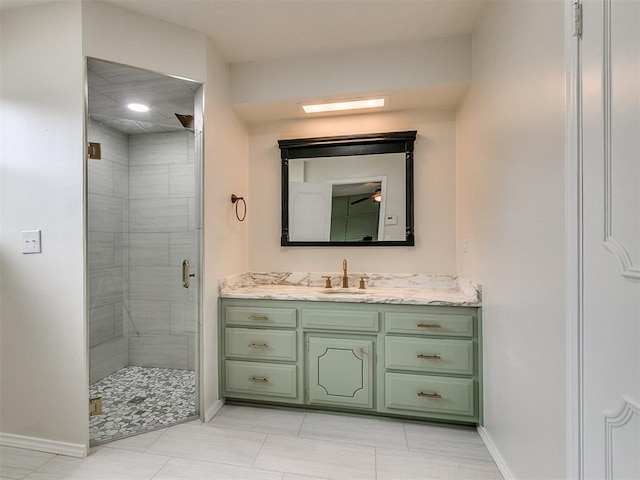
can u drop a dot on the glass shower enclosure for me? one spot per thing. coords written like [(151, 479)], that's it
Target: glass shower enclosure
[(144, 231)]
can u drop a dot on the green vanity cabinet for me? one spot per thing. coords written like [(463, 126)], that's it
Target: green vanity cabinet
[(410, 361)]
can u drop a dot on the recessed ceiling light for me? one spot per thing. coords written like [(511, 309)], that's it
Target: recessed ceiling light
[(346, 105), (137, 107)]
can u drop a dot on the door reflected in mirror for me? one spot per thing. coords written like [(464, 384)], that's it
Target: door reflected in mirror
[(355, 190)]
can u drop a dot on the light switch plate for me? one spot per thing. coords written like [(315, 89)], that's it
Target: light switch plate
[(391, 220), (31, 241)]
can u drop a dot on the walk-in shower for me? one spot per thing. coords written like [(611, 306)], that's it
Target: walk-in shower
[(143, 200)]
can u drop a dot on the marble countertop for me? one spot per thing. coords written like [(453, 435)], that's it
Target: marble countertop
[(406, 289)]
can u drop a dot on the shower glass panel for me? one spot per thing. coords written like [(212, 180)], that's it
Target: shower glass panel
[(143, 223)]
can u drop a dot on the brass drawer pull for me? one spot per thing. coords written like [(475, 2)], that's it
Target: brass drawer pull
[(429, 395), (258, 345), (429, 325), (258, 317), (429, 357), (258, 380)]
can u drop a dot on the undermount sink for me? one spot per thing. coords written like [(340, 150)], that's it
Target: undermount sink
[(343, 291)]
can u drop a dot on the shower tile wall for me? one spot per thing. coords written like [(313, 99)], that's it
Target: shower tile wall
[(108, 261), (141, 228), (162, 234)]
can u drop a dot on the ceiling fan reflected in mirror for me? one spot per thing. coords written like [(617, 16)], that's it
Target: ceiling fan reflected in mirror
[(375, 196)]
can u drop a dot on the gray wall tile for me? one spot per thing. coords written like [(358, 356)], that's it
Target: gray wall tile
[(150, 316), (120, 249), (182, 246), (159, 148), (107, 214), (107, 358), (115, 145), (100, 177), (183, 316), (106, 286), (101, 324), (120, 181), (101, 250), (149, 249), (108, 187), (149, 181), (158, 215), (167, 351), (193, 353), (156, 283), (141, 209), (182, 180), (119, 320)]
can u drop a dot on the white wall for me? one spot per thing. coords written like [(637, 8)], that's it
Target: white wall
[(439, 61), (434, 170), (510, 196), (42, 319), (225, 238)]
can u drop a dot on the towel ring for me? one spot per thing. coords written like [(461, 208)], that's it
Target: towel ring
[(235, 199)]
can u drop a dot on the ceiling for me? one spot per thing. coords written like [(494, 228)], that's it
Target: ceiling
[(249, 30), (253, 30)]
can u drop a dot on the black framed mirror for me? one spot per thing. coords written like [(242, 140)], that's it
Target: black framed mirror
[(350, 190)]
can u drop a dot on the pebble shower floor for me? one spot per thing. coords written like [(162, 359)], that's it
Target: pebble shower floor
[(139, 399)]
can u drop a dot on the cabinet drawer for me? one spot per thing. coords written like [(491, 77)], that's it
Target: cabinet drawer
[(430, 324), (261, 344), (261, 379), (429, 394), (438, 355), (258, 316), (340, 320)]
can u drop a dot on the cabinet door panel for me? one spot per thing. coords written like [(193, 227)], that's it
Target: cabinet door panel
[(340, 371)]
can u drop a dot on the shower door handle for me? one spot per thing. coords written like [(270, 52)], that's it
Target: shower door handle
[(186, 274)]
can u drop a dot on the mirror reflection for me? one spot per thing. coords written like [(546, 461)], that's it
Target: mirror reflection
[(354, 199), (348, 190)]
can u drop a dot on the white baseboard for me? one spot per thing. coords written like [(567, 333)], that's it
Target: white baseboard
[(43, 445), (502, 466), (213, 409)]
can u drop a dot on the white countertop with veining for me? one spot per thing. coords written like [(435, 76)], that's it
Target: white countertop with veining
[(406, 289)]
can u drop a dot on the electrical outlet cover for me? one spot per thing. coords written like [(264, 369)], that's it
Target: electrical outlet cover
[(31, 241)]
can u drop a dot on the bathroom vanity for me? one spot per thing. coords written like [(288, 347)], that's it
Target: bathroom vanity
[(407, 345)]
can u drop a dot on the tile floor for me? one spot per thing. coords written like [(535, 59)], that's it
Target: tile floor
[(271, 444), (136, 399)]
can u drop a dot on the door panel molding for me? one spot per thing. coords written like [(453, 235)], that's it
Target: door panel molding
[(613, 244), (618, 420)]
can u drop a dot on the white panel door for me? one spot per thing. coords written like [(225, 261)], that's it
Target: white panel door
[(610, 236), (309, 211)]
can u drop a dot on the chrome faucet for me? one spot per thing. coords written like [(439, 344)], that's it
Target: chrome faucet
[(345, 278)]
